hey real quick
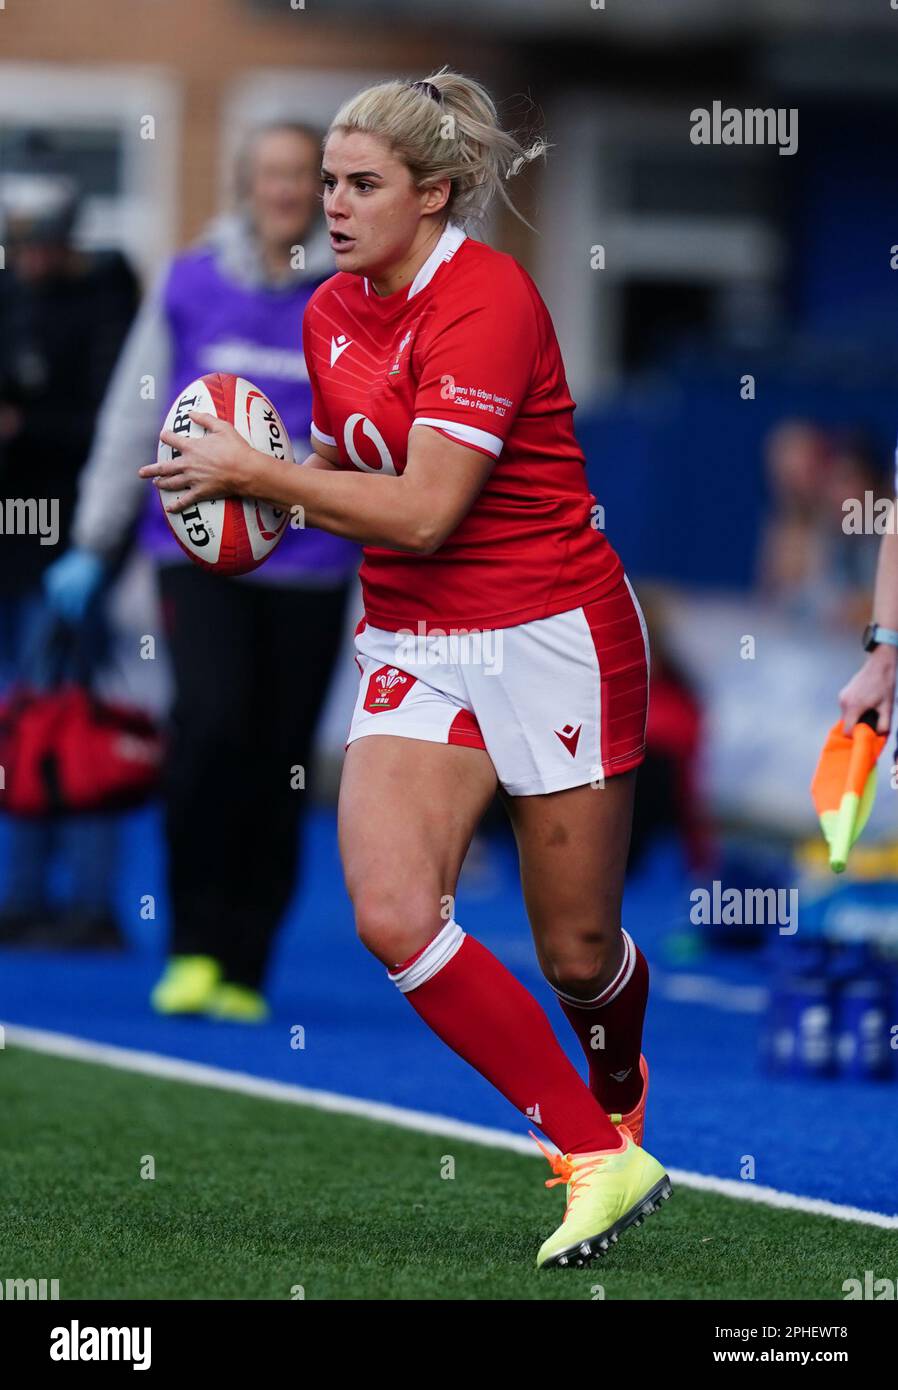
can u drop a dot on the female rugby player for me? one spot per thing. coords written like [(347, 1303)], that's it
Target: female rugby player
[(501, 641)]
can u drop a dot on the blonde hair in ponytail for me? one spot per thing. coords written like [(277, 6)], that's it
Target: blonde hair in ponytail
[(445, 126)]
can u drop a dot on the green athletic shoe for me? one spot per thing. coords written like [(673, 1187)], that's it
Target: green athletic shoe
[(187, 985), (232, 1003)]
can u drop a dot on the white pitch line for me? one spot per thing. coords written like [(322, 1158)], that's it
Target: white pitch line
[(788, 1201), (706, 989), (420, 1122)]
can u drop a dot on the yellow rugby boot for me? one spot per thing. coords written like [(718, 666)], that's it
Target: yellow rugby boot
[(186, 985), (607, 1192), (233, 1003)]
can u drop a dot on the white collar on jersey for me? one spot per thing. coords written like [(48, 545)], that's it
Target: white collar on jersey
[(453, 236)]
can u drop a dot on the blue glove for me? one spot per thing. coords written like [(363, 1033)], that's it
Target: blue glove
[(71, 582)]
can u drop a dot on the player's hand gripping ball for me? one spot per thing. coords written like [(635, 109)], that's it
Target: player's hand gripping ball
[(231, 534)]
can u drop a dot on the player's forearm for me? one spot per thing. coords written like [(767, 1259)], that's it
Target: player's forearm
[(316, 461), (368, 508)]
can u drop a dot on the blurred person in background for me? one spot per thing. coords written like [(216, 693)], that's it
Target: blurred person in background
[(251, 656), (811, 565), (791, 549), (64, 313), (855, 469)]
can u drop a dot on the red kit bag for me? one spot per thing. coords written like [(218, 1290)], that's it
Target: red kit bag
[(64, 749)]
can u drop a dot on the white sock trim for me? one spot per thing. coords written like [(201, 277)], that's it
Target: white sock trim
[(431, 960), (612, 990)]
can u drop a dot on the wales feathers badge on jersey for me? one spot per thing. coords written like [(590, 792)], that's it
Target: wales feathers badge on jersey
[(399, 351)]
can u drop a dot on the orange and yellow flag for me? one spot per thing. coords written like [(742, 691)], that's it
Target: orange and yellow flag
[(844, 784)]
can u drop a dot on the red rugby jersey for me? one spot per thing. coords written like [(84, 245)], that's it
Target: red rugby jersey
[(468, 349)]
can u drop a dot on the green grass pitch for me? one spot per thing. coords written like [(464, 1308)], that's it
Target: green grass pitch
[(255, 1198)]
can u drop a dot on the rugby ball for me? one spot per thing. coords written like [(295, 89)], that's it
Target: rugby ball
[(230, 535)]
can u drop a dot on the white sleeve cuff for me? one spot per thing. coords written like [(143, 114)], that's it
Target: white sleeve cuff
[(323, 438), (465, 434)]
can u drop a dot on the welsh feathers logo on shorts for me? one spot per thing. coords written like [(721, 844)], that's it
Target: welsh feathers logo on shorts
[(387, 688)]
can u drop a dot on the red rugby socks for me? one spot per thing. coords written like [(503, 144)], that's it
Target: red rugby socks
[(478, 1008), (610, 1030)]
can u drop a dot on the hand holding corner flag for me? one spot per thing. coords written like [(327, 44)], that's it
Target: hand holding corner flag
[(844, 784)]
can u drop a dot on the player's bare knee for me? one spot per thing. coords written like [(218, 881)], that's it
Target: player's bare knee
[(581, 968), (394, 927)]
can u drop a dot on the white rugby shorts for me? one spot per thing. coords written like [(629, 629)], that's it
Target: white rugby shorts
[(556, 703)]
